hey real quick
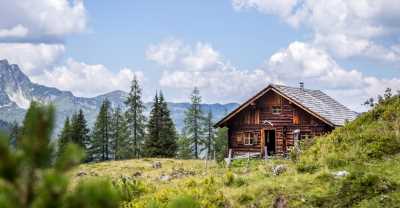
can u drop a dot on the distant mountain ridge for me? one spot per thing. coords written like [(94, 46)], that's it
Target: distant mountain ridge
[(17, 91)]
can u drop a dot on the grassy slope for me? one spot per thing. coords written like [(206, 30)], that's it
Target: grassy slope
[(368, 149)]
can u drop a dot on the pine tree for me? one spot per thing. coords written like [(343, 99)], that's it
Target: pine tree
[(100, 140), (79, 130), (135, 118), (14, 134), (161, 138), (209, 141), (65, 137), (167, 132), (184, 148), (194, 122), (119, 135)]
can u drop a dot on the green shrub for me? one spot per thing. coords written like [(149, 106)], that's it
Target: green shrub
[(229, 178), (183, 201)]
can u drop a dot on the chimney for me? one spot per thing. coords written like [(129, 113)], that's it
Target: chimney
[(302, 85)]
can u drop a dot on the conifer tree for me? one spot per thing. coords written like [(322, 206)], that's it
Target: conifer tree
[(100, 140), (221, 144), (119, 135), (14, 134), (79, 130), (184, 148), (194, 122), (135, 118), (161, 138), (209, 141), (65, 137), (30, 177), (167, 132)]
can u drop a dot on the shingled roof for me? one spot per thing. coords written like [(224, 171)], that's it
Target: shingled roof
[(315, 102)]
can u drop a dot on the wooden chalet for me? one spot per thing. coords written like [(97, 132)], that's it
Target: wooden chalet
[(278, 115)]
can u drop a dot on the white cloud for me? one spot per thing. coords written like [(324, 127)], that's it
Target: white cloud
[(303, 62), (87, 80), (17, 31), (202, 66), (42, 17), (345, 27), (298, 62), (33, 59)]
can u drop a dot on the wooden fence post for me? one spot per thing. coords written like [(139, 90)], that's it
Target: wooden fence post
[(228, 163), (266, 153)]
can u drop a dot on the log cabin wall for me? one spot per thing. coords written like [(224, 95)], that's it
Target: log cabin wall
[(246, 129)]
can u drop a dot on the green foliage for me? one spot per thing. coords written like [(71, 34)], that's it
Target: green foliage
[(184, 148), (161, 140), (93, 194), (119, 137), (79, 130), (221, 144), (135, 119), (183, 201), (130, 189), (100, 142), (28, 177), (372, 136), (195, 123)]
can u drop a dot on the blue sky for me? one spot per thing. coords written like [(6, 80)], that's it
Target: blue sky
[(230, 49)]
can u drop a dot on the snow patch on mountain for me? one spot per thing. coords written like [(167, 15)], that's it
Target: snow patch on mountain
[(18, 98)]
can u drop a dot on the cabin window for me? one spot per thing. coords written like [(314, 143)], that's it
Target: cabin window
[(296, 118), (250, 138), (276, 109)]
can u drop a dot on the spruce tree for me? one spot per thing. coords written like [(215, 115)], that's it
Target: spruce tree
[(65, 137), (184, 148), (135, 118), (161, 138), (14, 134), (195, 122), (79, 130), (119, 135), (209, 141), (99, 148), (167, 131)]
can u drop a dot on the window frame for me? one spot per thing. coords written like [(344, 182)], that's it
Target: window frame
[(275, 107)]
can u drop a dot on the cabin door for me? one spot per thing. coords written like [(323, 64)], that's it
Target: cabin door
[(270, 141)]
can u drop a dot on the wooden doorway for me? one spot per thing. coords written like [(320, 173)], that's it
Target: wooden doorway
[(270, 141)]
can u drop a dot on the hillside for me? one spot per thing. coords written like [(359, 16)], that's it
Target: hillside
[(17, 91), (357, 165)]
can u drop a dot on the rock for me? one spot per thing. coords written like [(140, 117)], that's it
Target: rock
[(280, 202), (81, 173), (156, 165), (340, 174), (278, 169), (165, 177), (137, 174)]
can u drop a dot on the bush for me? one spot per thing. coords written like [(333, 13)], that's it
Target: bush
[(229, 178), (183, 201)]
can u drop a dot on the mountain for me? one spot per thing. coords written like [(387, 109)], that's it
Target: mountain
[(17, 91)]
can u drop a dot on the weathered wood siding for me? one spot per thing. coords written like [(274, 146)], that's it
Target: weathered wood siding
[(291, 117)]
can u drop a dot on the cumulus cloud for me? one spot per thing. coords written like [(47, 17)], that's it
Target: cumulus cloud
[(87, 80), (41, 18), (303, 62), (17, 31), (32, 58), (202, 66), (344, 27)]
